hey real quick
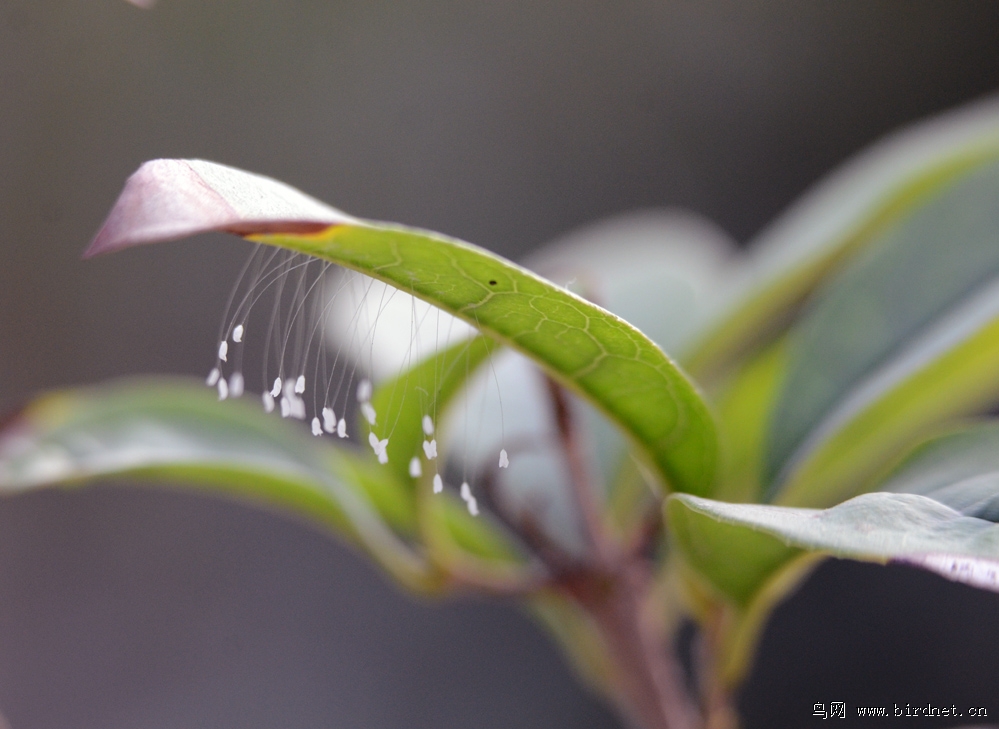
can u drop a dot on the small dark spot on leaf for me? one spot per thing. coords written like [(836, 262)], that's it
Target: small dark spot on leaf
[(492, 282)]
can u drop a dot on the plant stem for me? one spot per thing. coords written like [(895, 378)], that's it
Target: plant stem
[(650, 679), (605, 549), (615, 590), (718, 707)]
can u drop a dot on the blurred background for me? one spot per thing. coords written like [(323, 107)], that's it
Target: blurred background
[(504, 123)]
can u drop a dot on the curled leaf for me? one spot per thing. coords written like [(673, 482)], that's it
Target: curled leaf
[(166, 199), (589, 350)]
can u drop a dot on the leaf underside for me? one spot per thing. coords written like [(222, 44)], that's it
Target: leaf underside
[(937, 510)]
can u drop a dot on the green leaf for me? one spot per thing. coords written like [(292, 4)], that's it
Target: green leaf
[(902, 339), (586, 348), (959, 469), (734, 561), (475, 545), (743, 407), (589, 350), (425, 389), (167, 430), (665, 271), (874, 527), (938, 511), (839, 217)]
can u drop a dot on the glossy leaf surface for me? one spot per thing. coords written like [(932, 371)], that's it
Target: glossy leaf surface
[(591, 351)]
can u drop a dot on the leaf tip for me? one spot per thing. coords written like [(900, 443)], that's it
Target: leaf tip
[(167, 199)]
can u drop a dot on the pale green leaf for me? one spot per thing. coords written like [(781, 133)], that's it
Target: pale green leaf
[(940, 515), (176, 431), (959, 469), (938, 508), (874, 527), (840, 216), (903, 339)]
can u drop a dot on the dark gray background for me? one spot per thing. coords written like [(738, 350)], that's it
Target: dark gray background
[(502, 122)]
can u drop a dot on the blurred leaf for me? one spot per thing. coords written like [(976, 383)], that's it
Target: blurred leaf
[(176, 431), (476, 546), (589, 350), (840, 216), (743, 408), (959, 469), (579, 638), (475, 549), (426, 389), (478, 537), (903, 338)]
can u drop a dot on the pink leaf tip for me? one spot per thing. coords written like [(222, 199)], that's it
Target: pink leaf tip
[(167, 199)]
